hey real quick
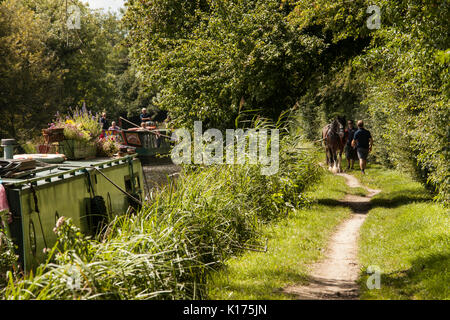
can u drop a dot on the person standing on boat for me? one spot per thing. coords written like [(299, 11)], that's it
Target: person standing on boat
[(104, 121)]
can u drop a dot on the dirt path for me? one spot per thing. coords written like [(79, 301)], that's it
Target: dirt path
[(335, 276)]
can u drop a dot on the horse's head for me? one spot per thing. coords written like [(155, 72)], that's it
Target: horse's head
[(339, 124)]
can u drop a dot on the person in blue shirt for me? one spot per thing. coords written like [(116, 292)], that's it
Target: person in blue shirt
[(363, 142), (350, 152)]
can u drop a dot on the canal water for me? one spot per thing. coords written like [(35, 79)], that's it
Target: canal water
[(158, 173)]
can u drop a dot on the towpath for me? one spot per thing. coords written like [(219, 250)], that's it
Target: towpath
[(335, 276)]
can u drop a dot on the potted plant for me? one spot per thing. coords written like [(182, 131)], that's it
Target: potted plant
[(81, 130)]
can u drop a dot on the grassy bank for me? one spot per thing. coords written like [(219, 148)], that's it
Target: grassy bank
[(407, 236), (293, 244)]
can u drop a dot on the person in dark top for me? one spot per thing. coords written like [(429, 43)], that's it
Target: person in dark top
[(350, 152), (104, 121), (145, 117), (363, 142)]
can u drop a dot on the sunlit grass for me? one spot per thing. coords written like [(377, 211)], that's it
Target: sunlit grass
[(408, 237), (293, 244)]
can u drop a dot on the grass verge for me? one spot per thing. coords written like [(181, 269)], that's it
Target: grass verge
[(293, 244), (407, 236)]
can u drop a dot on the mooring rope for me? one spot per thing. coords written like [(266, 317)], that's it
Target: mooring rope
[(121, 190)]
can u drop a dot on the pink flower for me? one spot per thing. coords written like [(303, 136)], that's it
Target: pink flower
[(60, 222)]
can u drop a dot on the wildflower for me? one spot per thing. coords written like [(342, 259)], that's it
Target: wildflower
[(60, 221)]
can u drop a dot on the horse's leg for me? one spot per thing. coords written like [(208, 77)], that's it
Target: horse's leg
[(327, 148), (330, 158), (335, 161)]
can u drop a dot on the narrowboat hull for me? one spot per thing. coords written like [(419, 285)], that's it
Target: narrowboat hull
[(36, 204)]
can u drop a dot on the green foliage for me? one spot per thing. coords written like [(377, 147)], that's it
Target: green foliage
[(29, 77), (407, 95), (46, 67), (86, 55), (398, 82), (228, 56), (341, 19)]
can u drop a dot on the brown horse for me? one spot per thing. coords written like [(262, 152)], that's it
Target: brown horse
[(334, 138)]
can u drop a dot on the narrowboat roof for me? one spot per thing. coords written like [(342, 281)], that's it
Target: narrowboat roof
[(65, 170)]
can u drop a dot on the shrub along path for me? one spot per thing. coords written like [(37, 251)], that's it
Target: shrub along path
[(336, 276)]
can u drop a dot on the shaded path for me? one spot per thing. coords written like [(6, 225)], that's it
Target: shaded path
[(335, 277)]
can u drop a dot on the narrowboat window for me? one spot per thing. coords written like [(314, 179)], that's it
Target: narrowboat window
[(128, 184), (138, 182)]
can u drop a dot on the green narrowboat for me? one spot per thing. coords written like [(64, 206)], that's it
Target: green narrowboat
[(71, 189)]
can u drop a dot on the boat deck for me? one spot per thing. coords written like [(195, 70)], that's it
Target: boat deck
[(57, 172)]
